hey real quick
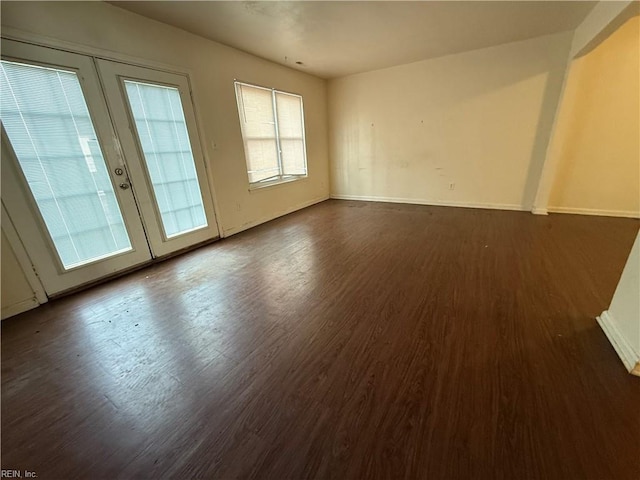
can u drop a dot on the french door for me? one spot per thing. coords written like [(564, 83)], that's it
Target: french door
[(101, 164)]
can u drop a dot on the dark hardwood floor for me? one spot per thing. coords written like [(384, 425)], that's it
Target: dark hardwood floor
[(349, 341)]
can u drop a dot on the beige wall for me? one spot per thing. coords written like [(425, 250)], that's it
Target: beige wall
[(213, 68), (480, 120), (16, 295), (596, 144)]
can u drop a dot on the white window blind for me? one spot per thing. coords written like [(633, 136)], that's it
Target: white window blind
[(291, 133), (46, 118), (273, 132), (164, 139)]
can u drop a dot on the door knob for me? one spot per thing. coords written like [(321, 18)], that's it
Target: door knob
[(124, 185)]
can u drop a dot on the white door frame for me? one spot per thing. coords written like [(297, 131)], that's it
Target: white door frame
[(39, 295)]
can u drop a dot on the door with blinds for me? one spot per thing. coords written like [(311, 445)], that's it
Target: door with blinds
[(156, 125), (85, 202)]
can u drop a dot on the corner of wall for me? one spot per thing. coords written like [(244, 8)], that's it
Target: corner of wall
[(630, 358), (621, 322), (605, 18)]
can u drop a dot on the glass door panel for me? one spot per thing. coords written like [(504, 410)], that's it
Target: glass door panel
[(48, 124), (156, 124), (164, 140)]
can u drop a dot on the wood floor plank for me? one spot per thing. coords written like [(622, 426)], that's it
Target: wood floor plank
[(347, 340)]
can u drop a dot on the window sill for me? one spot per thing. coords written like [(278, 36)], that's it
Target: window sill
[(273, 183)]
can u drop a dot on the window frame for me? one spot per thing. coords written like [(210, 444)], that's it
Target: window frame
[(281, 178)]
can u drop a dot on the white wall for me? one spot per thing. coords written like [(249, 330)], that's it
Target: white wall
[(480, 120), (621, 322)]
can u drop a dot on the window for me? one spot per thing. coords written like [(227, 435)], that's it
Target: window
[(273, 133)]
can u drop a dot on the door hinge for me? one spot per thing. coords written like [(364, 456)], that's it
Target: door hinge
[(33, 267)]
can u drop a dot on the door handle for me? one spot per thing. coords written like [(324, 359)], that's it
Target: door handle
[(124, 186)]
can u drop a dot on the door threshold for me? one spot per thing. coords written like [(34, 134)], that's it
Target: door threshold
[(134, 268)]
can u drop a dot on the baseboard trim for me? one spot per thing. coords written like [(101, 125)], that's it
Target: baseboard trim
[(232, 231), (629, 357), (594, 211), (438, 203), (539, 211), (20, 307)]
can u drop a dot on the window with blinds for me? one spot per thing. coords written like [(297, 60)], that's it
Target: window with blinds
[(273, 132)]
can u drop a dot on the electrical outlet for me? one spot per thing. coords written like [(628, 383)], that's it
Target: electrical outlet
[(452, 186)]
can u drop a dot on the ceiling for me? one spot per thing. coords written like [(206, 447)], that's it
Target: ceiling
[(335, 38)]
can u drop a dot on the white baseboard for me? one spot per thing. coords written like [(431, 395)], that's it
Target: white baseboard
[(20, 307), (493, 206), (625, 351), (439, 203), (595, 211), (539, 211), (232, 231)]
